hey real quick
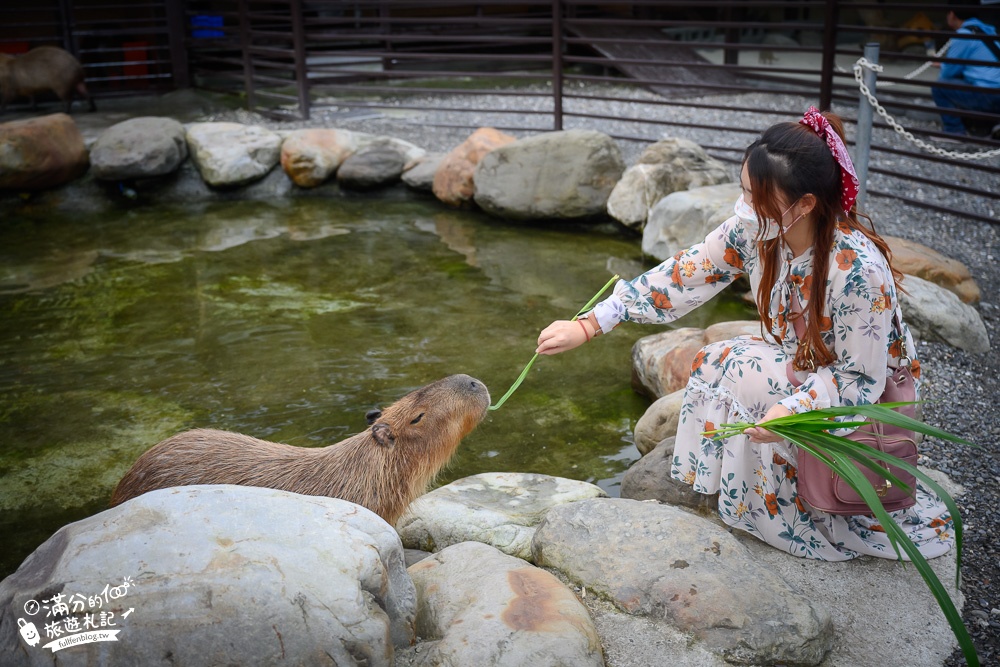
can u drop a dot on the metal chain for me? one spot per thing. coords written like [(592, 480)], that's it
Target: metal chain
[(915, 73), (863, 63), (920, 70)]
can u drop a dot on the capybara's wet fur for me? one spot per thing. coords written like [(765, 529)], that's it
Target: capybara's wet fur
[(45, 69), (382, 468)]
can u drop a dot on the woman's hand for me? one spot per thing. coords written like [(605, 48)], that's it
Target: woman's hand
[(757, 434), (563, 335)]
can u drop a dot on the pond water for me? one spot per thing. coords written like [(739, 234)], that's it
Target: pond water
[(288, 322)]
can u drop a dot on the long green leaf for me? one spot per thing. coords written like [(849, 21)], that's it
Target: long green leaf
[(524, 373), (810, 425), (842, 466), (861, 457), (824, 425), (860, 453), (956, 517), (885, 413)]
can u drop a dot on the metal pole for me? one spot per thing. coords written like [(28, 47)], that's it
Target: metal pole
[(178, 53), (829, 47), (557, 73), (863, 138), (245, 41), (301, 70), (67, 27), (731, 56)]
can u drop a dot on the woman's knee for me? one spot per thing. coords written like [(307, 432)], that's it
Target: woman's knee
[(712, 355)]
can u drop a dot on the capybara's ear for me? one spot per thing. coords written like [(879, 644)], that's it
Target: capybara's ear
[(372, 415), (382, 433)]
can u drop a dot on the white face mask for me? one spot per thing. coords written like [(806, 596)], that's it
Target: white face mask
[(748, 217)]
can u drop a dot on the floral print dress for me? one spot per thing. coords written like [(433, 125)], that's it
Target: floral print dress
[(740, 379)]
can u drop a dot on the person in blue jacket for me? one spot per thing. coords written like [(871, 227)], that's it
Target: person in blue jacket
[(985, 76)]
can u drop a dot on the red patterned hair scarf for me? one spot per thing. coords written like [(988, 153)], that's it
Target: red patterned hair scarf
[(849, 179)]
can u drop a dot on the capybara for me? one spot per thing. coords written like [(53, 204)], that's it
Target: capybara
[(43, 69), (382, 468)]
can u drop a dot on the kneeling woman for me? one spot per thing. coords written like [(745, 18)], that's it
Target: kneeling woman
[(797, 236)]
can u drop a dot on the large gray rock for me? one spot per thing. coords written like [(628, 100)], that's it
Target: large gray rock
[(661, 363), (481, 607), (377, 164), (934, 313), (139, 148), (410, 152), (649, 479), (311, 156), (665, 167), (658, 422), (221, 575), (420, 174), (640, 641), (662, 562), (915, 259), (868, 600), (497, 508), (684, 218), (636, 194), (553, 175), (40, 153), (231, 154)]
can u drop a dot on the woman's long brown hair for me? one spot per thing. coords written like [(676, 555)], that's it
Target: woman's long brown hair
[(790, 160)]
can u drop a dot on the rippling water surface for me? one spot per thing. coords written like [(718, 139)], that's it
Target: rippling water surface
[(289, 322)]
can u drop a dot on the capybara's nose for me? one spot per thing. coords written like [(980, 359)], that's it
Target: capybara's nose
[(471, 385)]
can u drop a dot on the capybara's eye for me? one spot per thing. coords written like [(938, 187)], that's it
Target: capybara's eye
[(417, 418)]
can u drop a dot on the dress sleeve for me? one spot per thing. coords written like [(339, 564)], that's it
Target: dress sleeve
[(680, 284), (862, 301)]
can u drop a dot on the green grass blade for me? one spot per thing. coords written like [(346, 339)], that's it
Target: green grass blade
[(862, 454), (842, 466), (813, 420), (517, 383), (885, 413), (524, 373), (824, 425), (593, 299), (945, 497)]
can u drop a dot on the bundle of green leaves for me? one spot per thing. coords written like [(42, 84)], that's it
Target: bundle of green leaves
[(810, 431)]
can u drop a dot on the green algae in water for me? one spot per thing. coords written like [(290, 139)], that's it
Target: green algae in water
[(116, 429), (262, 294), (289, 322)]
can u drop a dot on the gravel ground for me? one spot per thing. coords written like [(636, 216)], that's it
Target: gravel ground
[(958, 385)]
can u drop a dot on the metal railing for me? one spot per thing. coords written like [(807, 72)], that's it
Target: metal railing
[(560, 63), (557, 60)]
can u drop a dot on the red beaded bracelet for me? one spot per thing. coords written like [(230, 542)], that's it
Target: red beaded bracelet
[(584, 327)]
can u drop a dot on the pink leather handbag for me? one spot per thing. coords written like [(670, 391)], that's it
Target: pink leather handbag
[(827, 491)]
